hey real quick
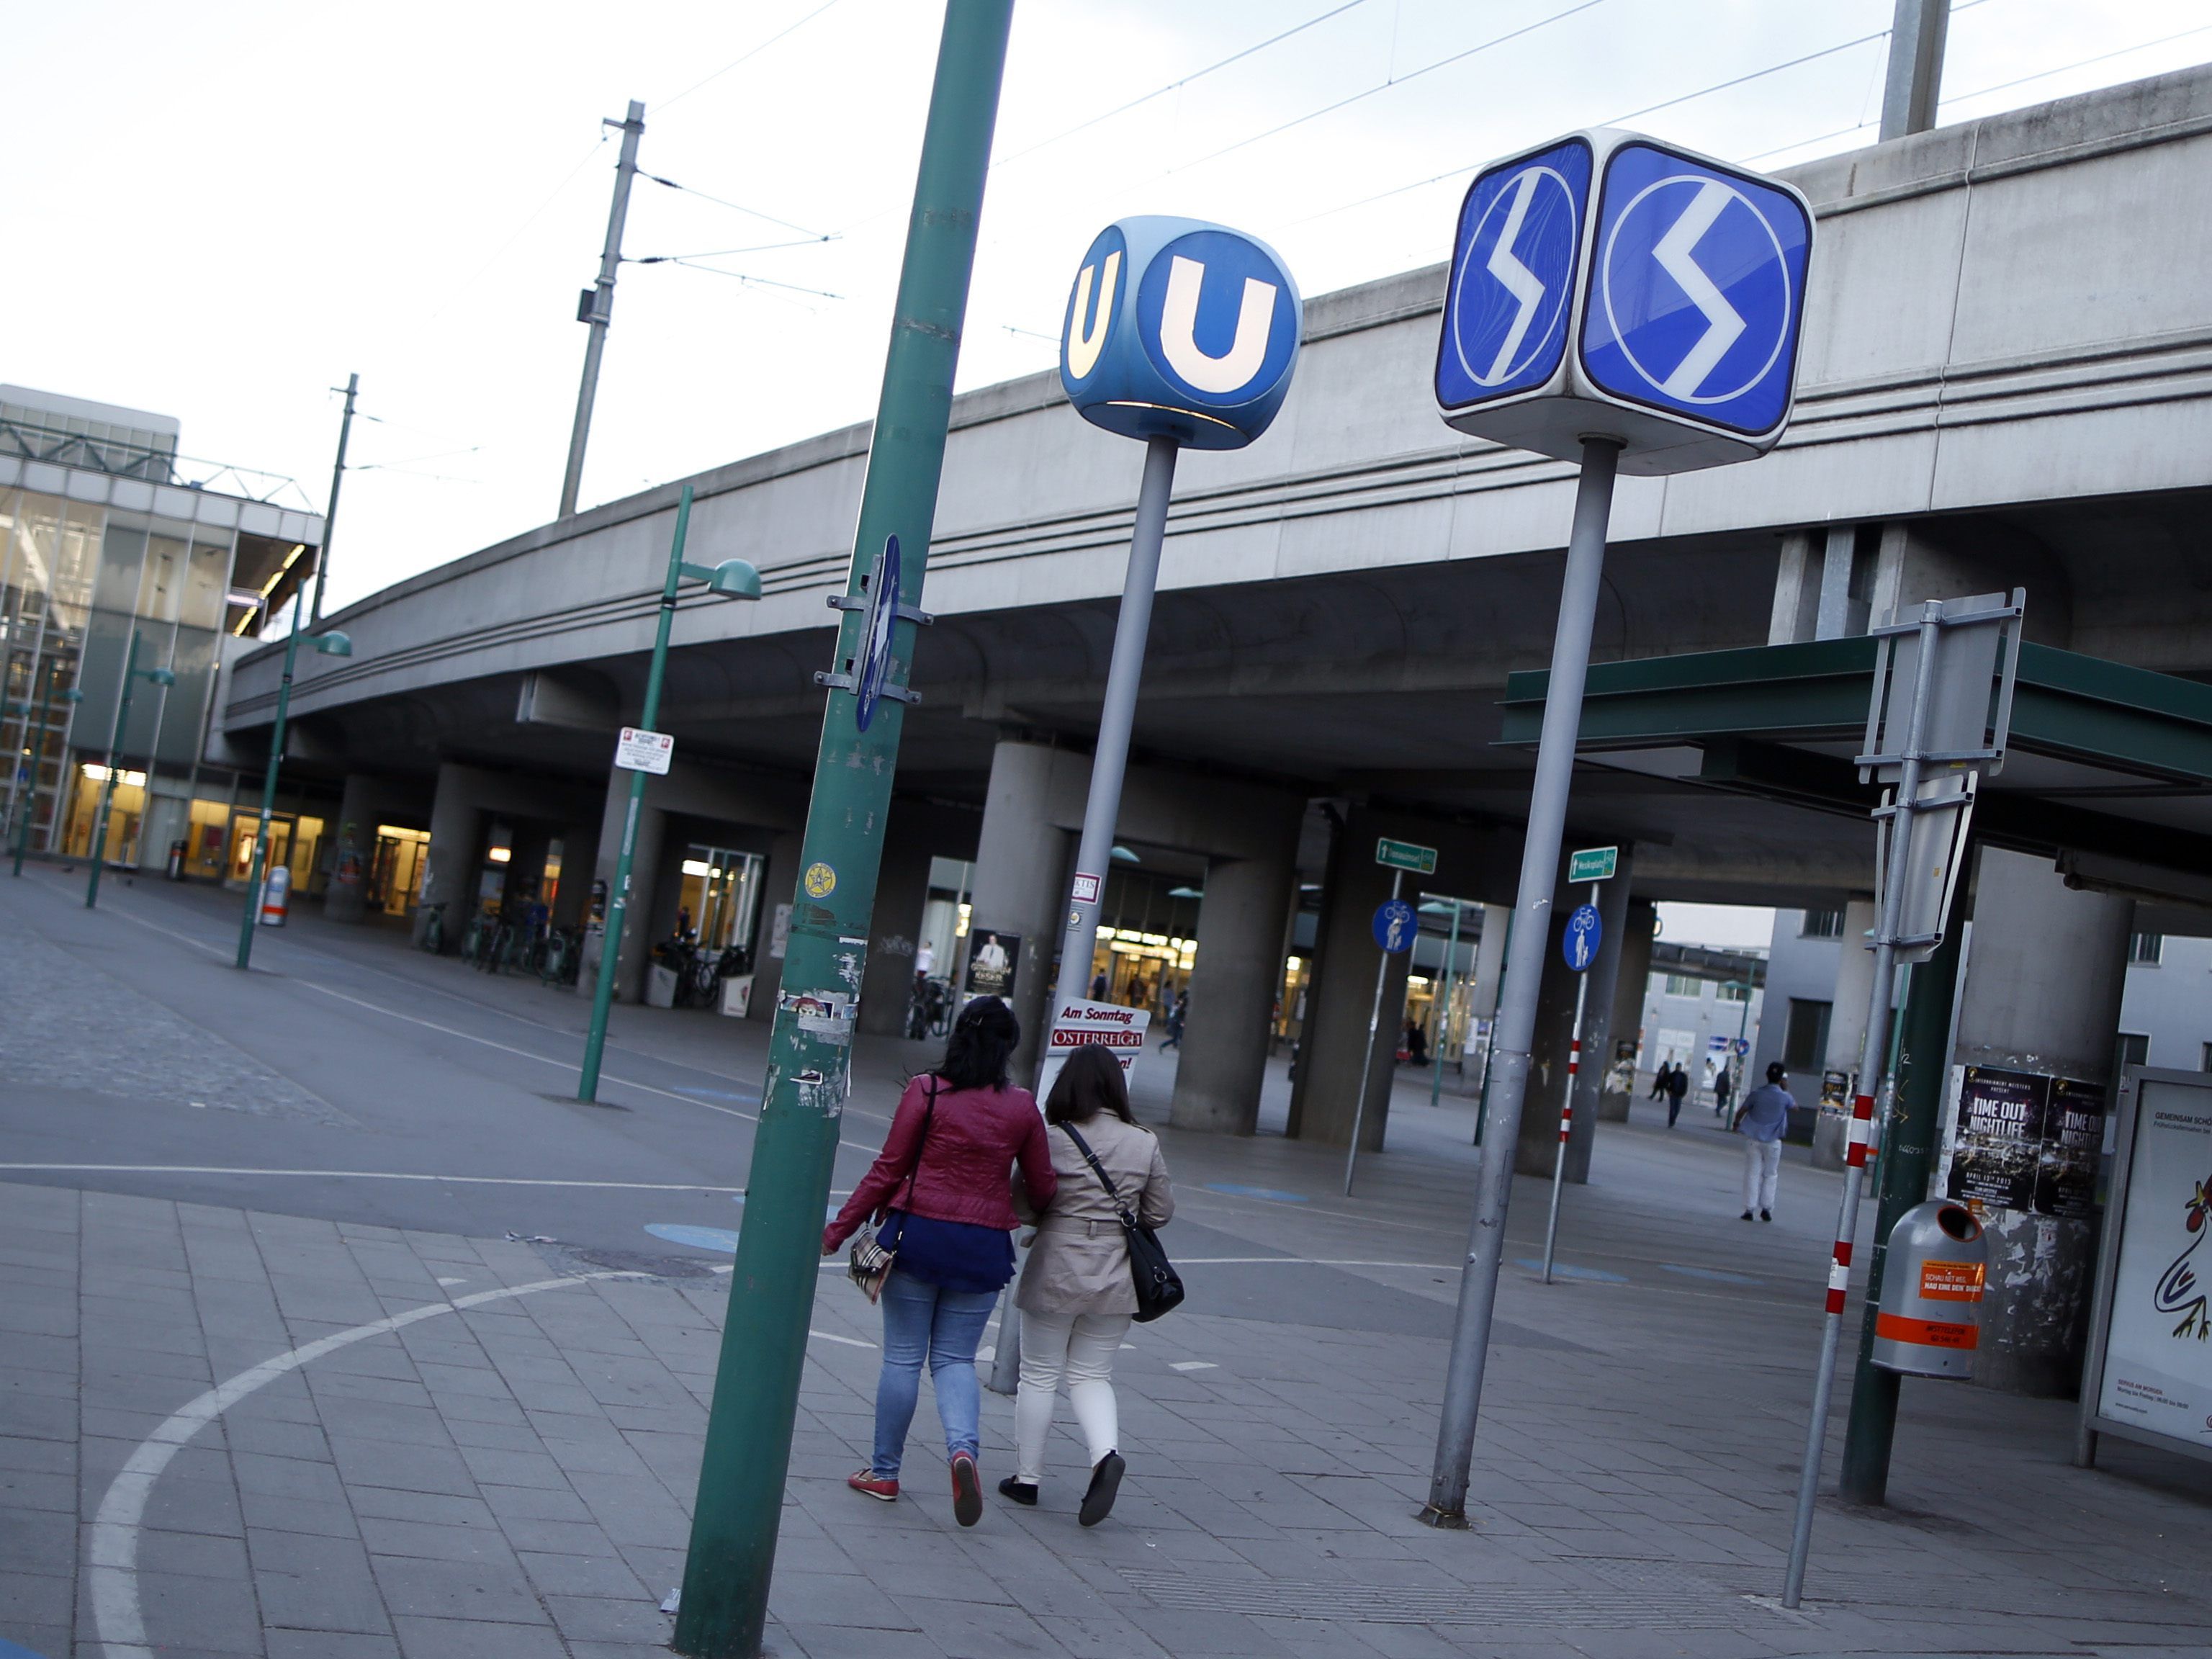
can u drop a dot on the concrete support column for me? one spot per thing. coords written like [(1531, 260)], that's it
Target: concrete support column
[(645, 871), (911, 839), (1847, 1018), (779, 887), (1021, 878), (456, 839), (1326, 1095), (2045, 968), (1640, 925), (347, 900), (1232, 987)]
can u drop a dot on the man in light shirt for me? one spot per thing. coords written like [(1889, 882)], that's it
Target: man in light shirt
[(1762, 1120)]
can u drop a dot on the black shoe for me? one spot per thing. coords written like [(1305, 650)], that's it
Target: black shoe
[(966, 1490), (1766, 1215), (1747, 1215), (1020, 1492), (1105, 1481)]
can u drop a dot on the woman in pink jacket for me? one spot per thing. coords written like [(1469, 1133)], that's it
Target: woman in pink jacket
[(941, 1189)]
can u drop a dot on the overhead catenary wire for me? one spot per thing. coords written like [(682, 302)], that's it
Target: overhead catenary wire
[(739, 207), (746, 57), (1177, 85)]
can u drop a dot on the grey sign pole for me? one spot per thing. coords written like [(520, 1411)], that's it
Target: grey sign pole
[(1110, 759), (1567, 1109), (1524, 974), (1367, 1060)]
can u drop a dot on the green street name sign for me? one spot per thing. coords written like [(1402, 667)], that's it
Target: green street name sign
[(1405, 855), (1593, 864)]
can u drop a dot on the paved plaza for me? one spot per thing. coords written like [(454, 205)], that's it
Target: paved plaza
[(332, 1327)]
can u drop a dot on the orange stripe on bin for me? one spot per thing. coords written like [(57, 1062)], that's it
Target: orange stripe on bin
[(1925, 1332)]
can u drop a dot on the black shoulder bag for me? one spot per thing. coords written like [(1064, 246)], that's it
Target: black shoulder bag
[(1159, 1288)]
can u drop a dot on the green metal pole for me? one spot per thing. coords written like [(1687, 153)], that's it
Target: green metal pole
[(1907, 1157), (31, 795), (107, 788), (268, 803), (603, 990), (748, 1451), (1444, 1019)]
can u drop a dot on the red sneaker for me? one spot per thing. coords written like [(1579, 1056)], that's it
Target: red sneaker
[(875, 1485), (966, 1490)]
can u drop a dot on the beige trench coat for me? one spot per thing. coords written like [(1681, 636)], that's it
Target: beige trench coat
[(1079, 1264)]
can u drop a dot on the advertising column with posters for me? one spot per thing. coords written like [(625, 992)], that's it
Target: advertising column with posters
[(2023, 1141), (2150, 1376)]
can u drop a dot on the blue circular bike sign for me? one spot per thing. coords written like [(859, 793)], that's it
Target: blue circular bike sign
[(1585, 933), (1396, 924)]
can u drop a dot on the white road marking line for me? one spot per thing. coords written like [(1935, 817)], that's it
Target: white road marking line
[(369, 1175), (1303, 1261), (114, 1573)]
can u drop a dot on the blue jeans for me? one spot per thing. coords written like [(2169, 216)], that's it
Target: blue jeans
[(922, 1322)]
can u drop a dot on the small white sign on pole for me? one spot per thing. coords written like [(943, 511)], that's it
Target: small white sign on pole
[(1077, 1022), (644, 752)]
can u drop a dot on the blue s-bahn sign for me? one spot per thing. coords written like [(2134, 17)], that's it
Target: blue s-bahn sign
[(1608, 284)]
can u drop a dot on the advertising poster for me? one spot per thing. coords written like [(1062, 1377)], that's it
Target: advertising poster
[(1999, 1146), (2073, 1140), (993, 958), (1078, 1022), (2158, 1351)]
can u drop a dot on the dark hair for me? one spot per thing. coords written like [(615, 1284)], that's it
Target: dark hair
[(1090, 1083), (1775, 1071), (984, 1037)]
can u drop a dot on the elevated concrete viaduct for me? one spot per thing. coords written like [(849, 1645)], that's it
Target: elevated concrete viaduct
[(2006, 381)]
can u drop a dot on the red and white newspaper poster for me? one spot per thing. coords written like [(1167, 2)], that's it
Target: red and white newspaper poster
[(1076, 1021)]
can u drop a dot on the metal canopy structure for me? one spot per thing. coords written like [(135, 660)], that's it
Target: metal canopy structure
[(2109, 773)]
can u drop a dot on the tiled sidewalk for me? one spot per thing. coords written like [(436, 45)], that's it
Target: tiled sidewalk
[(511, 1478)]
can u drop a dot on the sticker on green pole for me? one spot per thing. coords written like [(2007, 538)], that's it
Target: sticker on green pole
[(1406, 855), (1593, 864)]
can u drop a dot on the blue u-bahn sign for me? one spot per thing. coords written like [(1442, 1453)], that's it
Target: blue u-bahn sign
[(1605, 284), (1182, 329)]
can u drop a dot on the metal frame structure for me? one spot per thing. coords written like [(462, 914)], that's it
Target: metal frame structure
[(2093, 1423)]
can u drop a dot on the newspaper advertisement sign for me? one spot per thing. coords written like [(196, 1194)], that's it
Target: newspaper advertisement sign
[(1077, 1022), (2155, 1371)]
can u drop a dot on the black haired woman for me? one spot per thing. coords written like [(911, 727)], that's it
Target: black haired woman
[(1076, 1294), (941, 1180)]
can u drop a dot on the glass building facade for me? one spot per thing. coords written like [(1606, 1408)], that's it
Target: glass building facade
[(106, 533)]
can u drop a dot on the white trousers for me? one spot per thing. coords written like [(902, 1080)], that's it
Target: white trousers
[(1762, 1167), (1080, 1348)]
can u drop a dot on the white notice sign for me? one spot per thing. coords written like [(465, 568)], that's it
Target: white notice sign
[(2158, 1362), (1107, 1023), (644, 752)]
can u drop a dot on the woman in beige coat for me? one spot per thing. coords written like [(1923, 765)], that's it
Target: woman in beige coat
[(1076, 1293)]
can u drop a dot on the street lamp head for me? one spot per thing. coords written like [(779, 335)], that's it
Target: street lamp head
[(735, 579), (72, 696), (334, 644), (160, 676)]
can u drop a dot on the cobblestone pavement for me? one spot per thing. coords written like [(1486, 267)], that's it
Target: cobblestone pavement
[(249, 1429)]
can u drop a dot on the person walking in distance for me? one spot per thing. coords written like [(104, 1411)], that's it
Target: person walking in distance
[(940, 1188), (1659, 1079), (1723, 1086), (1178, 1011), (1077, 1294), (1678, 1085), (1762, 1120)]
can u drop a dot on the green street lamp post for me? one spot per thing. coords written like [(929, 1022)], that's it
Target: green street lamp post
[(131, 672), (31, 795), (733, 579), (331, 644)]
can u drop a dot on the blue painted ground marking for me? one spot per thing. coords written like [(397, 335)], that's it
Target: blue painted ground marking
[(10, 1650), (1234, 1190), (1561, 1270), (724, 1239), (1713, 1273)]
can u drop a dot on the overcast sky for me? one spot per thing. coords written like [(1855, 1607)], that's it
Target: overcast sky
[(216, 211)]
